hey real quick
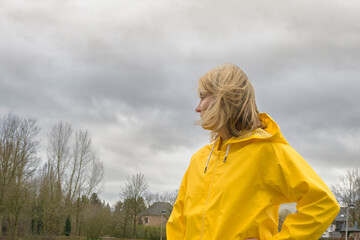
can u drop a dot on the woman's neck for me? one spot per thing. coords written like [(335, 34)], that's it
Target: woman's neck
[(224, 133)]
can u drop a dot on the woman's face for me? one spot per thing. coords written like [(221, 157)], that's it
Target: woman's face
[(205, 100)]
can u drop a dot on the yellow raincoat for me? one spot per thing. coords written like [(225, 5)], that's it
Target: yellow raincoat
[(239, 193)]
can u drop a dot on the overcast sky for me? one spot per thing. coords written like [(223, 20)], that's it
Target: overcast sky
[(127, 71)]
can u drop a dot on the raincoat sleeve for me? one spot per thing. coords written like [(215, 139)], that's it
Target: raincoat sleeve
[(175, 227), (291, 179)]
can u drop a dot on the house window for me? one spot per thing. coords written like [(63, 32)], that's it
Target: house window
[(146, 220)]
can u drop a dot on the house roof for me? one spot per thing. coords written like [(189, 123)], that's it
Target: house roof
[(350, 229), (341, 217), (157, 208)]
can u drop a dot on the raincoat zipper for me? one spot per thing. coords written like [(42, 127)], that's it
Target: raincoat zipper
[(208, 196)]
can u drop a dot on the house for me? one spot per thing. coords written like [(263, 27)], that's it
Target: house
[(340, 219), (152, 215), (338, 227), (353, 231)]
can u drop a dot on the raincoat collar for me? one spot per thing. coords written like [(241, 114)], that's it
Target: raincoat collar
[(271, 132)]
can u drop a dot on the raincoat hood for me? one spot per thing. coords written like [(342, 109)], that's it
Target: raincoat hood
[(271, 132)]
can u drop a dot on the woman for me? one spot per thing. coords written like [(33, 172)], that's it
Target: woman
[(233, 187)]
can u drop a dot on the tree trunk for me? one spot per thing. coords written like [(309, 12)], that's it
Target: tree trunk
[(135, 227), (15, 228), (77, 224), (8, 232), (124, 232), (1, 233)]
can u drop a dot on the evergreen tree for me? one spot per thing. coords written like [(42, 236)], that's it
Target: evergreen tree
[(67, 226)]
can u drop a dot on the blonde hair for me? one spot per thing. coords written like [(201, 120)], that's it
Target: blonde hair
[(233, 103)]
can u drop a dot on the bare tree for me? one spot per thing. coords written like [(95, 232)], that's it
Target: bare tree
[(83, 155), (59, 149), (95, 177), (59, 156), (72, 173), (168, 196), (84, 175), (134, 190), (347, 191), (151, 198), (18, 162), (47, 204)]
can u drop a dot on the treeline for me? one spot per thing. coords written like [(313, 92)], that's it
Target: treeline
[(60, 196), (38, 200)]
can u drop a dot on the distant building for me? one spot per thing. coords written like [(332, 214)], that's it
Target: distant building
[(340, 219), (152, 215), (353, 231), (337, 228)]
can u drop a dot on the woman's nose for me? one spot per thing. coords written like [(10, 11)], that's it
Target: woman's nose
[(197, 109)]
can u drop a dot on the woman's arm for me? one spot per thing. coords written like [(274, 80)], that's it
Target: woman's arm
[(290, 177), (175, 227)]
